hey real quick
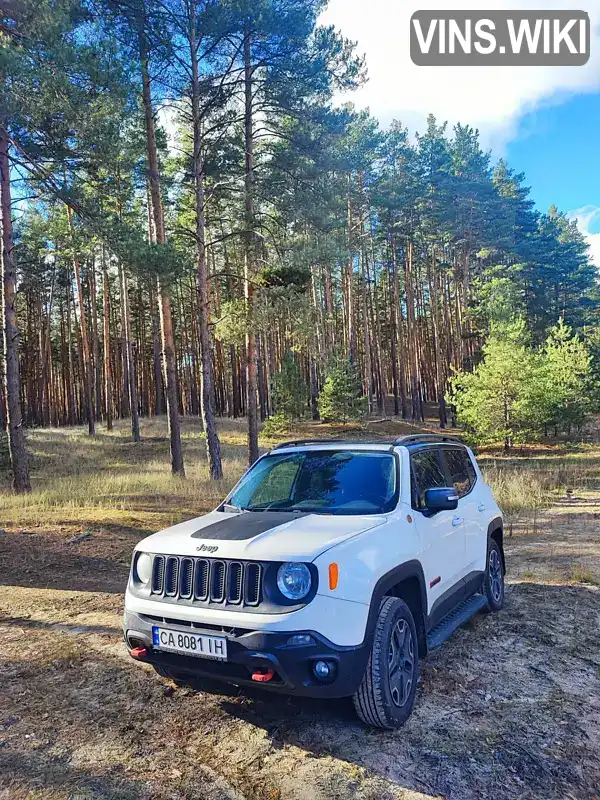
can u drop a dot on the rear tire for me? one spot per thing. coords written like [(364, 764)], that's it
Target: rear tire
[(386, 696), (493, 583)]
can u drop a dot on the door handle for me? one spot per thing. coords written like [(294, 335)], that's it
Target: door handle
[(480, 507), (457, 521)]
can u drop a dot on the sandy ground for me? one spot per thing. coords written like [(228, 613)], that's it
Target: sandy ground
[(508, 708)]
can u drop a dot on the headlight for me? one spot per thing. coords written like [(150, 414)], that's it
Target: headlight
[(143, 568), (293, 580)]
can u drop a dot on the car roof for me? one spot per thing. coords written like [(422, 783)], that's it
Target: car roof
[(412, 441), (334, 444)]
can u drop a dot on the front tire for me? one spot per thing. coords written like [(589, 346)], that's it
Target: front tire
[(493, 584), (386, 695)]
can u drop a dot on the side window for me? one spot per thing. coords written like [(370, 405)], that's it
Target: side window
[(460, 469), (471, 471), (426, 473)]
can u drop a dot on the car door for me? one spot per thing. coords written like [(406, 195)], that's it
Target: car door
[(441, 534), (461, 475)]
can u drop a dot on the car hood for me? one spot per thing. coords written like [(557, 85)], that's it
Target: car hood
[(259, 535)]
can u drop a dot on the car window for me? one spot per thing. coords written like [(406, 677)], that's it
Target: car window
[(471, 471), (321, 481), (460, 469), (277, 484), (426, 473)]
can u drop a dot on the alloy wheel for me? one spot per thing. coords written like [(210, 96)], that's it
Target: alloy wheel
[(495, 575), (401, 662)]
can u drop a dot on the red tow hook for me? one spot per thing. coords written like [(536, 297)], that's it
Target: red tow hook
[(263, 676), (139, 652)]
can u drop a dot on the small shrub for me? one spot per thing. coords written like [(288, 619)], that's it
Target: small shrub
[(289, 390), (581, 574), (341, 399), (276, 425)]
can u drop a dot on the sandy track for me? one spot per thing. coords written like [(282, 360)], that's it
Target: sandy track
[(509, 707)]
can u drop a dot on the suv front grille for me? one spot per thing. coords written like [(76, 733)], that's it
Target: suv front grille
[(208, 581)]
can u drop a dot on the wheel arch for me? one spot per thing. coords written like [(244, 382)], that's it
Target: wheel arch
[(407, 582), (496, 533)]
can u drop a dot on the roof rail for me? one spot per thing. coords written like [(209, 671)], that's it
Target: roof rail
[(301, 442), (414, 438)]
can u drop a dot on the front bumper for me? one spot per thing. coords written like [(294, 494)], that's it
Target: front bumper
[(252, 651)]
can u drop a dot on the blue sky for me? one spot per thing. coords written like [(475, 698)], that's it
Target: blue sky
[(557, 148), (544, 120)]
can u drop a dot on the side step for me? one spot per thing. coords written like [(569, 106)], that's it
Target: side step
[(461, 614)]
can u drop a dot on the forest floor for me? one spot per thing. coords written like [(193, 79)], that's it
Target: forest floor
[(509, 707)]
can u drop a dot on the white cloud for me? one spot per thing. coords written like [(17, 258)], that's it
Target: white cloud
[(490, 98), (588, 222)]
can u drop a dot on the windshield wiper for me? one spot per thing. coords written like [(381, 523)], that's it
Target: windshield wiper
[(276, 509)]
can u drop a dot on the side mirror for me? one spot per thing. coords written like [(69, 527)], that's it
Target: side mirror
[(441, 499)]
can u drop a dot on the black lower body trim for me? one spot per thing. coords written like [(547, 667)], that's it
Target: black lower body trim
[(254, 651)]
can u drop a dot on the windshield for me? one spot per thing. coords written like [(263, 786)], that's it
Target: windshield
[(321, 481)]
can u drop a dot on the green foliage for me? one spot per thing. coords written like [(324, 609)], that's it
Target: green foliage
[(495, 401), (592, 388), (497, 302), (296, 276), (289, 390), (566, 374), (517, 392), (341, 399), (232, 325), (276, 425)]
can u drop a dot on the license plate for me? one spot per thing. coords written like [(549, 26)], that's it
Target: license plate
[(190, 644)]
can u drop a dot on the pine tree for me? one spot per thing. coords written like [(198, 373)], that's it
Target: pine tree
[(341, 399), (288, 390), (566, 373), (498, 400)]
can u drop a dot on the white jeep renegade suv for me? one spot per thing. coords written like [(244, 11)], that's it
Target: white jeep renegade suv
[(328, 571)]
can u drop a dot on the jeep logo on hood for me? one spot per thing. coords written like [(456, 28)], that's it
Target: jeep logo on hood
[(205, 548)]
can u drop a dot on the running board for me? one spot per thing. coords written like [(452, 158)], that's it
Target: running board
[(461, 614)]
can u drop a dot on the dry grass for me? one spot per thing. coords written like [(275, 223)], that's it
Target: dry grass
[(81, 481), (509, 707), (526, 483), (109, 478)]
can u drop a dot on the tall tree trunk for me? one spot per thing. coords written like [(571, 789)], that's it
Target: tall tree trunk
[(437, 341), (132, 388), (159, 393), (95, 340), (85, 344), (417, 412), (250, 252), (107, 364), (12, 385), (164, 299), (71, 367), (403, 341), (3, 417), (350, 311), (393, 339), (213, 446)]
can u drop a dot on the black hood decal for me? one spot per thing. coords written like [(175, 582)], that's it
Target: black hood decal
[(236, 527)]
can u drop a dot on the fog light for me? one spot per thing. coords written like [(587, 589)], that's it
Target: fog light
[(322, 670), (300, 640)]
